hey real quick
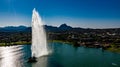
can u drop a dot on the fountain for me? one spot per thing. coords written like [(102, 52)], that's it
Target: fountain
[(39, 42)]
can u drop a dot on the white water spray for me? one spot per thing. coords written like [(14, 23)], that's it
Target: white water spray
[(39, 43)]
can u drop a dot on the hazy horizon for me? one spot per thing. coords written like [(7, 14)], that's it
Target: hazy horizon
[(59, 26)]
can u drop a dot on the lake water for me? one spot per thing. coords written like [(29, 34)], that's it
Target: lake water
[(63, 55)]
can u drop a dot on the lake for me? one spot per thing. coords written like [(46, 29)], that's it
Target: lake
[(62, 55)]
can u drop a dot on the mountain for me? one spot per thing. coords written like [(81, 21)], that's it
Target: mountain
[(51, 28), (13, 28), (65, 27), (61, 28)]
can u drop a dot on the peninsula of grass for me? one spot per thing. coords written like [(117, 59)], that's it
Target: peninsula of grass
[(60, 41), (114, 48)]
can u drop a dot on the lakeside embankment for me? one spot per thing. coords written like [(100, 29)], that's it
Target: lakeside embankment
[(15, 43), (112, 48)]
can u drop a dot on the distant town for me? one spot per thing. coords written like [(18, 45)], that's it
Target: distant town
[(107, 39)]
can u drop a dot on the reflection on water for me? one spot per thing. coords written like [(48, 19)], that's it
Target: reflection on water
[(42, 62), (15, 56), (10, 56), (62, 55)]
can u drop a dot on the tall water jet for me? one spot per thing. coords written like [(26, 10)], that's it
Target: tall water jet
[(39, 41)]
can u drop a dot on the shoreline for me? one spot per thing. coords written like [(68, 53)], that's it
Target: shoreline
[(111, 49), (14, 43)]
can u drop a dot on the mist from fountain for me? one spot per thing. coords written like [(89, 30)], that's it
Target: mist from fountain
[(39, 40)]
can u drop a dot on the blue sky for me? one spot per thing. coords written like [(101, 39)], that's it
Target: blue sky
[(77, 13)]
